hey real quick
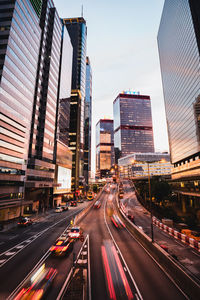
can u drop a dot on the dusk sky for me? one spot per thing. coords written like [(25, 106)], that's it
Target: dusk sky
[(122, 46)]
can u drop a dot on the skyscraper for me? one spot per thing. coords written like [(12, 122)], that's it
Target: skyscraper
[(88, 121), (133, 131), (179, 50), (41, 163), (20, 39), (78, 33), (104, 147), (63, 155)]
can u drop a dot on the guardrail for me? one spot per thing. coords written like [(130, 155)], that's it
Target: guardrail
[(182, 279), (177, 235)]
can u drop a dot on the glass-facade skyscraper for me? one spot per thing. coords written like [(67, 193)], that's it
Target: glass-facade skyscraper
[(179, 49), (78, 33), (20, 39), (104, 147), (133, 131), (88, 120)]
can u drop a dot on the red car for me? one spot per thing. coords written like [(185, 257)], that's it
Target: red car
[(23, 222)]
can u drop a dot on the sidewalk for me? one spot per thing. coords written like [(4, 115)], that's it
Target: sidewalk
[(34, 217)]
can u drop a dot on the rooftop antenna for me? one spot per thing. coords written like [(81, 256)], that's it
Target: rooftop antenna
[(82, 10)]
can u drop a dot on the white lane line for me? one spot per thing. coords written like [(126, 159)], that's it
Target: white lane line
[(24, 246), (19, 247), (1, 243), (172, 280), (13, 237), (2, 261), (129, 272), (196, 253), (9, 253)]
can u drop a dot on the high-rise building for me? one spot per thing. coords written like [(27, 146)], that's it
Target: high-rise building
[(88, 121), (78, 33), (133, 131), (180, 68), (41, 163), (104, 147), (20, 40), (179, 51), (62, 152)]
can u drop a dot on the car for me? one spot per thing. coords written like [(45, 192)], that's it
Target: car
[(75, 232), (63, 245), (58, 209), (73, 203), (38, 285), (130, 217), (117, 221), (97, 204), (24, 221), (64, 207)]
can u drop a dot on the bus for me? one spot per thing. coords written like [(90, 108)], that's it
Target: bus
[(90, 195)]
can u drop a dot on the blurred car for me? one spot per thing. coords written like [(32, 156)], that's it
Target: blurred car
[(38, 285), (117, 221), (97, 204), (24, 221), (80, 201), (73, 203), (62, 246), (64, 207), (75, 232), (58, 209), (130, 217)]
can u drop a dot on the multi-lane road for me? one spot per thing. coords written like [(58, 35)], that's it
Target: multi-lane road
[(120, 267)]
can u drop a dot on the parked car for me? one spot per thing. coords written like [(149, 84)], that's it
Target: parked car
[(64, 207), (58, 210), (24, 221), (73, 203)]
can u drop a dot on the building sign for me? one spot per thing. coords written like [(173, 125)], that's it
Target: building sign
[(64, 178)]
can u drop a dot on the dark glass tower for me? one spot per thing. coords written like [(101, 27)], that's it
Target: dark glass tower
[(179, 49), (41, 164), (104, 147), (133, 131), (78, 33), (88, 121), (20, 39)]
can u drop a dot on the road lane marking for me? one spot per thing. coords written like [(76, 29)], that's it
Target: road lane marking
[(9, 253), (2, 261), (30, 241)]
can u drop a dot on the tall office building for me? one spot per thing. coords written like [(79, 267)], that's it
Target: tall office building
[(20, 39), (88, 121), (41, 163), (78, 33), (133, 131), (104, 147), (179, 49), (63, 154)]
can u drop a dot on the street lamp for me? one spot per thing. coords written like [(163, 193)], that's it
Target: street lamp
[(152, 234), (149, 184)]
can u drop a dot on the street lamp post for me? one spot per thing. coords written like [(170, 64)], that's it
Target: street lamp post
[(152, 235)]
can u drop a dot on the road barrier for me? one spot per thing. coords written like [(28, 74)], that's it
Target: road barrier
[(182, 279), (177, 235)]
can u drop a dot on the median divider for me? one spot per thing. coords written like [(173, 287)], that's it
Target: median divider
[(182, 279)]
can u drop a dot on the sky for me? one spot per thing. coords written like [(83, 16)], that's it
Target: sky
[(122, 47)]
